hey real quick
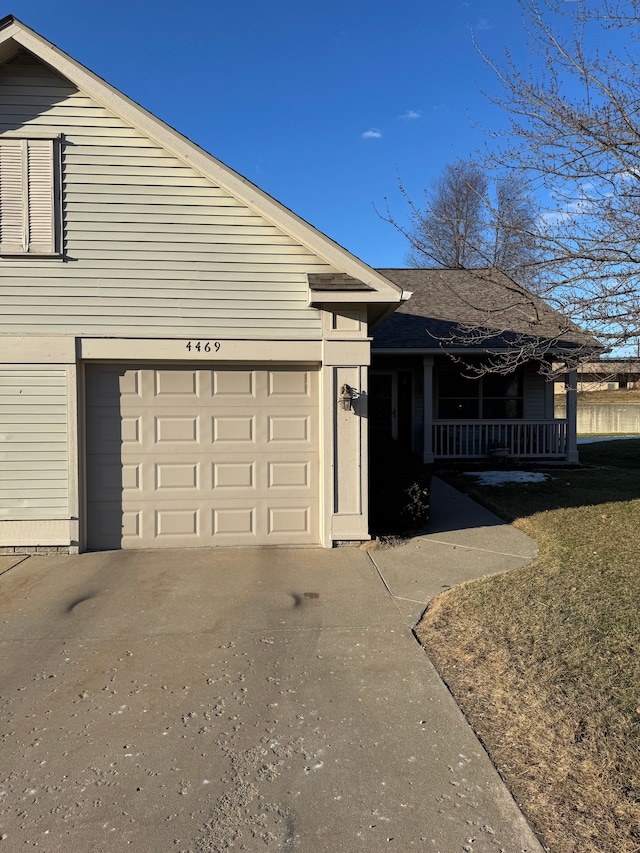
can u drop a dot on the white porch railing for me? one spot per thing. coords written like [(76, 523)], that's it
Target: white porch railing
[(479, 439)]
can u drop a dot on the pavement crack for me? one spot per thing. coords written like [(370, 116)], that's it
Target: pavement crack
[(16, 564), (380, 575), (483, 550), (395, 597)]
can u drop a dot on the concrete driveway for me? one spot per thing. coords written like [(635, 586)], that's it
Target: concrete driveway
[(231, 699)]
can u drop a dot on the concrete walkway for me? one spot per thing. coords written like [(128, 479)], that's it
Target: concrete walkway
[(217, 700), (463, 541)]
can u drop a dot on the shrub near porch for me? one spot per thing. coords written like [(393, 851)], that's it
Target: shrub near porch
[(400, 487)]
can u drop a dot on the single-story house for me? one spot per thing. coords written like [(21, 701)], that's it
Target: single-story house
[(428, 383), (183, 360)]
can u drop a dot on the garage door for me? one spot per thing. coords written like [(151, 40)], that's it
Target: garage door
[(183, 456)]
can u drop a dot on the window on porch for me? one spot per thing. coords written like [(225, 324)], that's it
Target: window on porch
[(491, 397)]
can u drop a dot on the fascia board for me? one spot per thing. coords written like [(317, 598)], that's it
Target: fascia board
[(410, 351), (353, 296), (205, 163)]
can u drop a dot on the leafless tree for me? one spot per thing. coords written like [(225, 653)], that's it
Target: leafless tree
[(462, 227), (491, 233), (515, 228), (574, 138), (575, 135), (449, 231)]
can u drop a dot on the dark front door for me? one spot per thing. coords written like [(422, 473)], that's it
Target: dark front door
[(382, 411)]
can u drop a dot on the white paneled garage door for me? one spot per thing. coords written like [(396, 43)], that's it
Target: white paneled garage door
[(191, 456)]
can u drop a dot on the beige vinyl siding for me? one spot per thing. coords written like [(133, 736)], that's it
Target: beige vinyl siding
[(151, 246), (33, 444)]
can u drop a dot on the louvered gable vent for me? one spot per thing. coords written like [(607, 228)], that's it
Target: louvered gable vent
[(27, 208)]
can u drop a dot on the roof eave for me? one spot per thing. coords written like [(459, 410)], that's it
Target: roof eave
[(444, 350)]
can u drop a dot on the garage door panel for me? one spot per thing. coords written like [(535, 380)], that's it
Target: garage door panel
[(172, 522), (202, 456), (176, 476), (132, 525), (233, 521), (233, 475), (288, 383), (289, 519), (288, 429), (111, 526), (110, 430), (131, 477), (234, 429), (290, 475), (167, 429), (106, 386), (291, 522), (150, 482), (130, 431), (230, 386), (176, 429), (169, 384)]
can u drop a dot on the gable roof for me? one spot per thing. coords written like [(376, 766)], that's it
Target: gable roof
[(455, 309), (14, 36)]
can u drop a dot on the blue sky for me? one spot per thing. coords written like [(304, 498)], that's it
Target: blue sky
[(321, 105)]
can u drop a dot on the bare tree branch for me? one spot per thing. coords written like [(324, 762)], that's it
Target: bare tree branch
[(575, 134), (574, 142)]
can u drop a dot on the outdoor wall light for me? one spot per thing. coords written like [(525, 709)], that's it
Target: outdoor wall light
[(346, 397)]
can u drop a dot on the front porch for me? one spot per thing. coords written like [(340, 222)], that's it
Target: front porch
[(428, 406)]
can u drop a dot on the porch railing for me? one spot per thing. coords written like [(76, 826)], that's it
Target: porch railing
[(480, 439)]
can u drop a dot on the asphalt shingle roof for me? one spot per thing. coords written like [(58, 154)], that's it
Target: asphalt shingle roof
[(471, 309), (327, 281)]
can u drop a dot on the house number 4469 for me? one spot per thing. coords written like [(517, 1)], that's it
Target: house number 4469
[(203, 346)]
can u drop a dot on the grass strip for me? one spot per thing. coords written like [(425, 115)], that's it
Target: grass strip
[(544, 660)]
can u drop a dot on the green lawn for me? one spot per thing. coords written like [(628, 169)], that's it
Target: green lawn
[(545, 660)]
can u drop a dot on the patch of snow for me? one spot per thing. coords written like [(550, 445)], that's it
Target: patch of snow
[(499, 478)]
